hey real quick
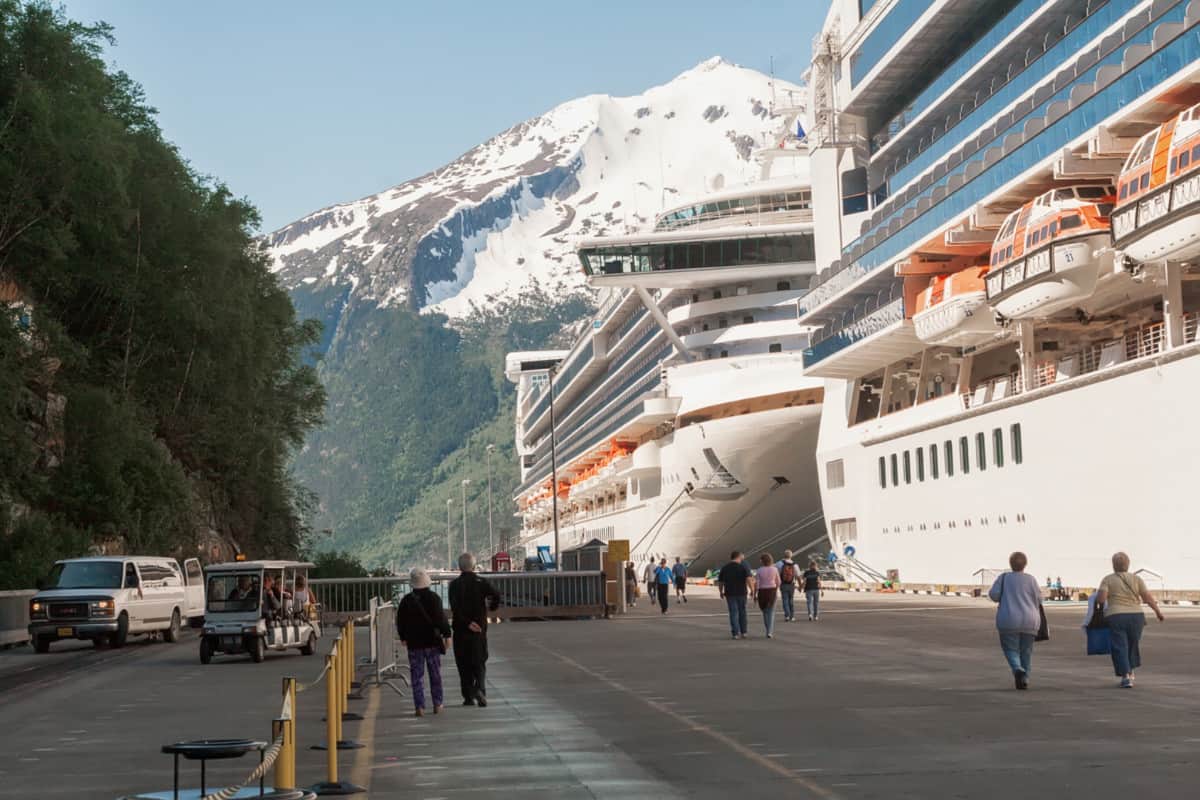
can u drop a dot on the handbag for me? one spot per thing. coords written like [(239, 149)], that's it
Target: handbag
[(1099, 642), (441, 642)]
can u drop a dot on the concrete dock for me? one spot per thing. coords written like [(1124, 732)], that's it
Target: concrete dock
[(884, 697)]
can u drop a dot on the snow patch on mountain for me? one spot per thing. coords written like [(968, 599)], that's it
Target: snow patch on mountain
[(505, 215)]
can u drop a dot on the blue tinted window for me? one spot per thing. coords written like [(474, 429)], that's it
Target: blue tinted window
[(1037, 71), (885, 35)]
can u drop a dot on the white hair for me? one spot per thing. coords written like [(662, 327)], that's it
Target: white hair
[(466, 562), (419, 578)]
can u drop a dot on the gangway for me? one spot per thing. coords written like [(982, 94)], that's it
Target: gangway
[(851, 564)]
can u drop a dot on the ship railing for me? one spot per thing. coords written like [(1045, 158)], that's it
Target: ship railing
[(1145, 341)]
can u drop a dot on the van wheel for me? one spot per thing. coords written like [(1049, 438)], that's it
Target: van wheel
[(118, 639), (41, 644), (309, 647), (171, 634), (205, 650), (258, 651)]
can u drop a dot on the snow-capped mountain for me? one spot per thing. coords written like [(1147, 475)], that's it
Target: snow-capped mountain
[(504, 216)]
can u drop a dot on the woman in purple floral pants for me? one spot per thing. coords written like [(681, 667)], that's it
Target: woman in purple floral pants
[(423, 629)]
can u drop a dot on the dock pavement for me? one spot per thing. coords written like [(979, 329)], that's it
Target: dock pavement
[(885, 697)]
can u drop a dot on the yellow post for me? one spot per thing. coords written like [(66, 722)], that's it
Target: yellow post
[(333, 718), (339, 697), (351, 675), (349, 654), (285, 763)]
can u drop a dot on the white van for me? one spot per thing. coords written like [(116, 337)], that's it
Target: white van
[(109, 598)]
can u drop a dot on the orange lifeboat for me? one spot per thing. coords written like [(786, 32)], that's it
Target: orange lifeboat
[(1051, 252), (953, 311), (1158, 194)]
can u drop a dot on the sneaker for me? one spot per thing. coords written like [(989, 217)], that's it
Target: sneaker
[(1021, 680), (1126, 683), (810, 617), (420, 712), (469, 701), (481, 699), (685, 598), (438, 709), (744, 636), (770, 636)]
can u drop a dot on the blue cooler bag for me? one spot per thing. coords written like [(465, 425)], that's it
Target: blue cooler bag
[(1098, 643)]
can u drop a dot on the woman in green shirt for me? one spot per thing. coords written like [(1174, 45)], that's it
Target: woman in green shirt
[(1121, 595)]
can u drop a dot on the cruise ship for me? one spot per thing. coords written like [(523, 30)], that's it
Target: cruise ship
[(1007, 306), (681, 419)]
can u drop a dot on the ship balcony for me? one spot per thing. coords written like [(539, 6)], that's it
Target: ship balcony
[(760, 301), (862, 338), (744, 332)]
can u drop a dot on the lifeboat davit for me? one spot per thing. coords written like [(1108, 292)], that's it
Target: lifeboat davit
[(954, 311), (1157, 217), (1051, 252)]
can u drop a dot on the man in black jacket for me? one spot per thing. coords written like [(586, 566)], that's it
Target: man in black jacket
[(471, 597)]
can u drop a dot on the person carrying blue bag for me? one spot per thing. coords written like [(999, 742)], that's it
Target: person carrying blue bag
[(1095, 629)]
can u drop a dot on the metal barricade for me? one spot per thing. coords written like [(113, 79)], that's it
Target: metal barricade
[(549, 594), (348, 598), (523, 595), (385, 648)]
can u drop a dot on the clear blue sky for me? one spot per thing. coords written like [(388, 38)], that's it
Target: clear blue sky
[(299, 105)]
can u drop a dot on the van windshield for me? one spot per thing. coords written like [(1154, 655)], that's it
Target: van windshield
[(86, 575), (235, 591)]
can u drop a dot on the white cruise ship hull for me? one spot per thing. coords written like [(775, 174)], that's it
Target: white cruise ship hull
[(1108, 463), (756, 448)]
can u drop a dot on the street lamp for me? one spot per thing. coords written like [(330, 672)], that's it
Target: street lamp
[(549, 366), (465, 483), (491, 536), (449, 541)]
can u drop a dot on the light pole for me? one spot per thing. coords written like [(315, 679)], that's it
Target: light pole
[(465, 483), (553, 471), (549, 365), (449, 541), (491, 536)]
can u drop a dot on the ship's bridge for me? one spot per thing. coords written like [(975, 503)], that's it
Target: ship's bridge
[(698, 258)]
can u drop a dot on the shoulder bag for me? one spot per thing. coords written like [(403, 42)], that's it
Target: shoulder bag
[(441, 641)]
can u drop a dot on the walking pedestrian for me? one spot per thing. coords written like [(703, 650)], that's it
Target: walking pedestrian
[(734, 581), (648, 579), (812, 591), (767, 580), (630, 585), (787, 585), (680, 570), (1121, 595), (662, 584), (471, 597), (422, 627), (1018, 616)]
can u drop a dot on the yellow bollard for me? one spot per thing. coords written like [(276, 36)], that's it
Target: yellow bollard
[(345, 665), (339, 698), (285, 763), (333, 718)]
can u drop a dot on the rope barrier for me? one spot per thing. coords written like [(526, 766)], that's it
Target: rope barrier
[(304, 687), (268, 761)]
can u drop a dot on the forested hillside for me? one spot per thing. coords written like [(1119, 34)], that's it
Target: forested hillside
[(152, 376), (414, 404)]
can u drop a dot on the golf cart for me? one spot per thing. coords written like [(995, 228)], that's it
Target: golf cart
[(256, 606)]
